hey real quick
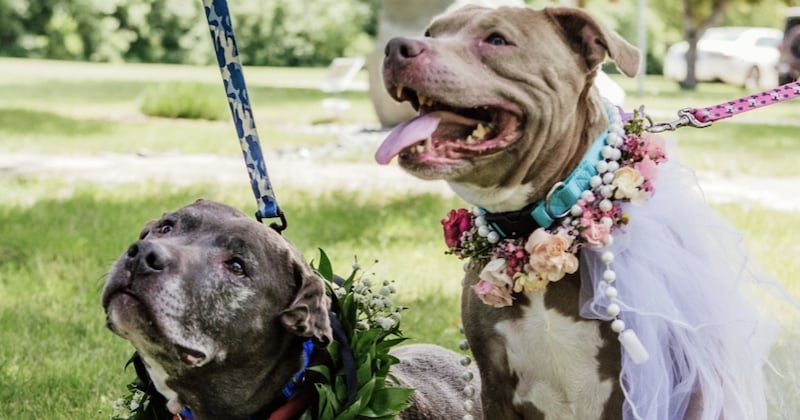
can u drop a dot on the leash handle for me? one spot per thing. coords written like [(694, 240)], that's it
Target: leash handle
[(230, 65), (703, 117)]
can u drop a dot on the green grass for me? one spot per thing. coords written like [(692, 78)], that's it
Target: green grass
[(184, 100), (57, 355), (741, 149), (665, 98), (95, 108)]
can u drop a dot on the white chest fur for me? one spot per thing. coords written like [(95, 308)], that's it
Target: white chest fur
[(159, 377), (555, 358)]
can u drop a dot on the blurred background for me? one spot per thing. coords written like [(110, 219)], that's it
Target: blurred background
[(112, 112)]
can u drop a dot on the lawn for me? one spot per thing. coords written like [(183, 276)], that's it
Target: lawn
[(95, 108), (58, 239)]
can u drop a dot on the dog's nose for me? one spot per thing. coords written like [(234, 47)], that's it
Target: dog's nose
[(401, 48), (146, 257)]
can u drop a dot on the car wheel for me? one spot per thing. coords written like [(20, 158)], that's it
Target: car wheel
[(751, 81)]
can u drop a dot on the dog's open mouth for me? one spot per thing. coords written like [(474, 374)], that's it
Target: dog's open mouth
[(443, 132)]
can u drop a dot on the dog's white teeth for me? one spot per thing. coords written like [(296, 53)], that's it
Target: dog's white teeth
[(429, 144), (424, 100), (479, 132), (470, 139), (399, 91), (420, 148)]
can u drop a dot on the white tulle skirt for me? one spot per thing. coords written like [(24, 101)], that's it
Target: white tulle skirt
[(689, 290)]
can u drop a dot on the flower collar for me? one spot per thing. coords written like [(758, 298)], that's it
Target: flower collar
[(582, 211)]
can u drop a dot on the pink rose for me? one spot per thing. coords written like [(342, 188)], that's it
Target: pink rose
[(493, 295), (596, 233), (550, 254), (654, 146), (457, 222), (649, 170)]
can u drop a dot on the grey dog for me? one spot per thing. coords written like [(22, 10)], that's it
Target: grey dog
[(218, 306)]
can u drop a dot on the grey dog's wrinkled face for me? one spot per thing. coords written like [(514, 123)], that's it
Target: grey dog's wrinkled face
[(207, 285)]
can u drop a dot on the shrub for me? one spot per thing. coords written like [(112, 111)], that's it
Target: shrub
[(185, 100)]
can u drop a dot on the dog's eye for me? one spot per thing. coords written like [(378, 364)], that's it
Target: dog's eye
[(236, 266), (165, 229), (496, 39)]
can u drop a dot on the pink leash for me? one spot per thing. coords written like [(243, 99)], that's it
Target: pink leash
[(703, 117)]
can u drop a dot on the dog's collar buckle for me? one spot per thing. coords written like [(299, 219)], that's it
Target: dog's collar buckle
[(558, 202)]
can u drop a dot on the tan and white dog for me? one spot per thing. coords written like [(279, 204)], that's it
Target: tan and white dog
[(507, 110)]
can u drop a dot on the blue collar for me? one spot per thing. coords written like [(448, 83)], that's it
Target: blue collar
[(288, 390), (559, 200)]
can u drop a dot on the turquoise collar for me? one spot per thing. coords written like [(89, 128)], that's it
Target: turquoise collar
[(562, 196)]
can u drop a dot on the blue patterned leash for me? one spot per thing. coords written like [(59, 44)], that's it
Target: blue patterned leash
[(230, 65)]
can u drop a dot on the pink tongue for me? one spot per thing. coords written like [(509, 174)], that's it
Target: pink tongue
[(404, 135)]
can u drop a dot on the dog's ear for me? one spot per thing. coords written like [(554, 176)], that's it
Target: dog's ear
[(590, 38), (307, 315)]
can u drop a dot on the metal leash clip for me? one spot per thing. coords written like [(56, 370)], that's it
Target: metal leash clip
[(686, 117)]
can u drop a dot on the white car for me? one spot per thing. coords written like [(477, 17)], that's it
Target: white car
[(744, 56)]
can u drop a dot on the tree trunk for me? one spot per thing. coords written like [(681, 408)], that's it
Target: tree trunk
[(693, 29), (690, 82)]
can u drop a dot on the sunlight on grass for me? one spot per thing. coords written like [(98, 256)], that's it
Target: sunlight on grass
[(742, 149), (665, 98)]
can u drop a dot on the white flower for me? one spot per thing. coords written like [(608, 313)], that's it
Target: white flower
[(339, 292), (385, 323), (627, 181), (495, 272)]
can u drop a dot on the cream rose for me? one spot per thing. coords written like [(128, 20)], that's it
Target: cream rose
[(528, 283), (626, 183), (550, 256), (495, 272)]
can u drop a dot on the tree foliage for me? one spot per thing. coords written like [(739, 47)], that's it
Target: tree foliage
[(296, 33), (277, 32)]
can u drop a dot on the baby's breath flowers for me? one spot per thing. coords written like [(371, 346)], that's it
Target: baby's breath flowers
[(371, 322), (132, 406)]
